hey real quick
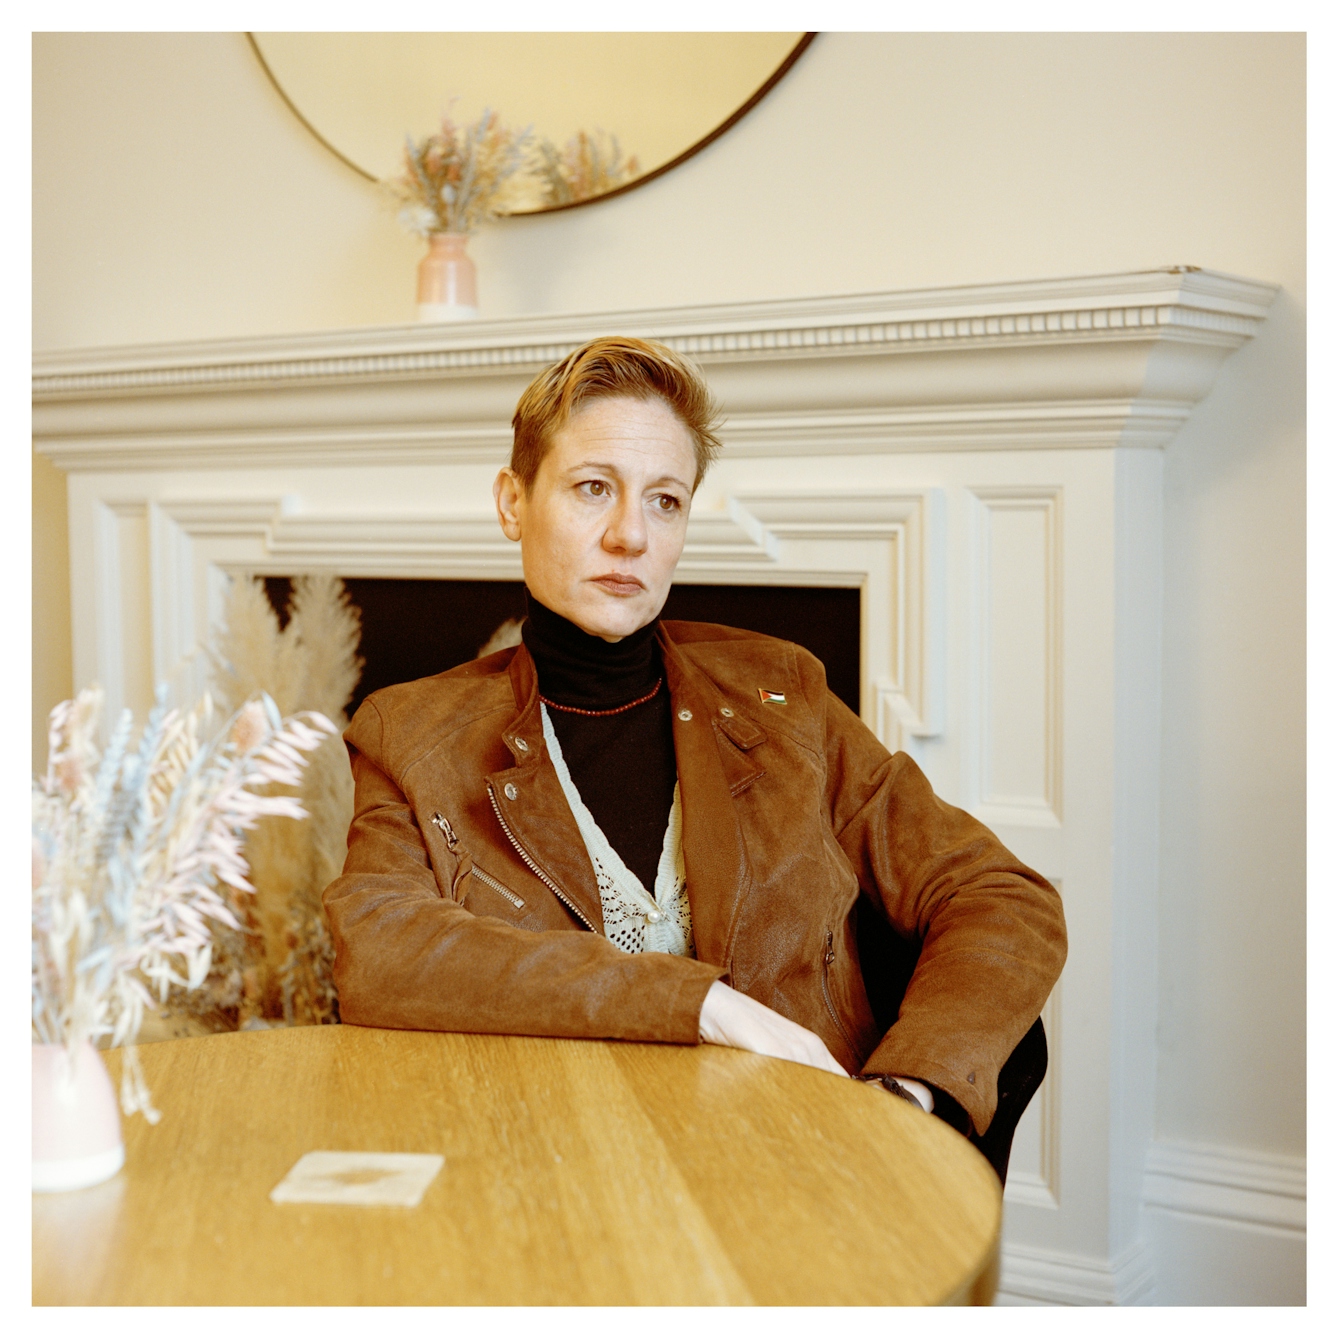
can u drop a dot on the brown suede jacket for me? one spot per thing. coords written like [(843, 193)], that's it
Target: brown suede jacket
[(468, 902)]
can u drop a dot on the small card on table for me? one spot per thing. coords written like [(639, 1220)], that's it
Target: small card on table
[(378, 1179)]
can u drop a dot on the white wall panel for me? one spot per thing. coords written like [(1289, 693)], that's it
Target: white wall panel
[(124, 629), (1020, 601)]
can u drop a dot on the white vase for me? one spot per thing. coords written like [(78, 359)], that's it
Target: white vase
[(76, 1125)]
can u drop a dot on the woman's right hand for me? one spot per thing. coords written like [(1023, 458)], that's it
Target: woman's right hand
[(733, 1019)]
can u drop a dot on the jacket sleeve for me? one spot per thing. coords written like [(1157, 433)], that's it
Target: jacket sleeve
[(991, 930), (407, 956)]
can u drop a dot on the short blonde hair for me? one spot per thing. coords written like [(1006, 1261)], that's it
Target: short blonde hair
[(605, 369)]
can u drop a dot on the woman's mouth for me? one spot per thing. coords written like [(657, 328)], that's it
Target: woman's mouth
[(619, 583)]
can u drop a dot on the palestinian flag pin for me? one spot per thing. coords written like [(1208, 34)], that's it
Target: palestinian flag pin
[(777, 697)]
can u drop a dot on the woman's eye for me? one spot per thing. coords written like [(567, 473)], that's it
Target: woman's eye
[(598, 488), (668, 502)]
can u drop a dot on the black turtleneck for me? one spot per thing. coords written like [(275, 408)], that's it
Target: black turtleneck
[(622, 765)]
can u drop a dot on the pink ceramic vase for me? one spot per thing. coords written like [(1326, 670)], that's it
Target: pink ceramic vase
[(76, 1125), (447, 280)]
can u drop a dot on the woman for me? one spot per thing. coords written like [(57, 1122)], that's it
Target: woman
[(659, 831)]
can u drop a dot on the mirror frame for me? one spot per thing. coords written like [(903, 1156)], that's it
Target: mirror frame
[(733, 119)]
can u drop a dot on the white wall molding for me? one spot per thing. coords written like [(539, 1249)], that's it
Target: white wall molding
[(1196, 302), (1223, 1187), (1228, 1185), (1017, 639), (888, 544), (899, 541), (1095, 362), (1052, 1277), (1036, 1183), (1087, 424)]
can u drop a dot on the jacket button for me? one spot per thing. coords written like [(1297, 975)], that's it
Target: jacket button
[(510, 790), (522, 745), (654, 916), (727, 713), (685, 714), (971, 1078)]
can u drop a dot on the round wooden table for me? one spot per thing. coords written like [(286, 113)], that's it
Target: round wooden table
[(576, 1173)]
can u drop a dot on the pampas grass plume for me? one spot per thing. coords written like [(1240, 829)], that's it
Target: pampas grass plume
[(280, 964)]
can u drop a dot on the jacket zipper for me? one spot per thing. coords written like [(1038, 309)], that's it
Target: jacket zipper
[(534, 868), (492, 882), (452, 841), (446, 830), (828, 958)]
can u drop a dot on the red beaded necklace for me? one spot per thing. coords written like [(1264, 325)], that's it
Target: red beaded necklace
[(617, 710)]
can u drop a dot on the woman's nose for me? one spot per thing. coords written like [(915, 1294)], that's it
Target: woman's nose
[(626, 532)]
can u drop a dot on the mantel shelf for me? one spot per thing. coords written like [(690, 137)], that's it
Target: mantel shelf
[(1098, 361)]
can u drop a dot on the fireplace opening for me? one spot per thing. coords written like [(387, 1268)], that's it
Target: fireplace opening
[(412, 628)]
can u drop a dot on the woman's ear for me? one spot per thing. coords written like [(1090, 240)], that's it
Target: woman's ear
[(508, 493)]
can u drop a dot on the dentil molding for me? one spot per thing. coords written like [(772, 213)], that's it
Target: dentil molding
[(1112, 360)]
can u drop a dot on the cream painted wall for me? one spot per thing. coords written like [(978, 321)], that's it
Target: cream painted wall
[(882, 161), (52, 681)]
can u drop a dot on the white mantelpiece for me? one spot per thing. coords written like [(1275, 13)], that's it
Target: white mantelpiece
[(1117, 360), (982, 462)]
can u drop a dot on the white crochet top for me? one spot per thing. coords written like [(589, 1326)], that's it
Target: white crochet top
[(634, 920)]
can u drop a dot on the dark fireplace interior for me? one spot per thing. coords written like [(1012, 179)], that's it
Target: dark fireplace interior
[(412, 628)]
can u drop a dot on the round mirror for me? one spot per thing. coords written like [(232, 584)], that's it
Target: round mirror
[(622, 107)]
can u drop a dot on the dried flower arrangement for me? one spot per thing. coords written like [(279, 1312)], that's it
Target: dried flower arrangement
[(586, 166), (277, 966), (458, 179), (464, 176), (137, 849)]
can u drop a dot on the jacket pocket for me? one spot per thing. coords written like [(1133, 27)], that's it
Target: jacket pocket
[(446, 864), (471, 870), (828, 957)]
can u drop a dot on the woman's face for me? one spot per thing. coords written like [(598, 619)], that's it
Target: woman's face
[(603, 524)]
